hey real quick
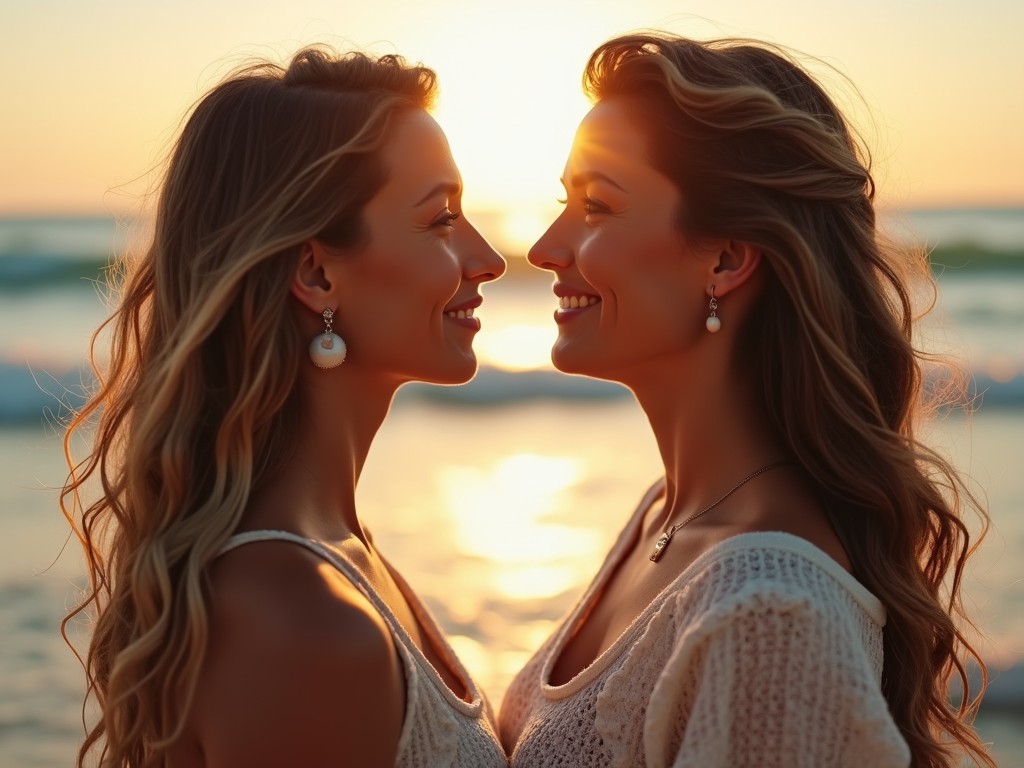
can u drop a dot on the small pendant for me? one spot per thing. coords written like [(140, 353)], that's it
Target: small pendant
[(659, 546)]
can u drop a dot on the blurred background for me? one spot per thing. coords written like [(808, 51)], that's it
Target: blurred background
[(513, 486)]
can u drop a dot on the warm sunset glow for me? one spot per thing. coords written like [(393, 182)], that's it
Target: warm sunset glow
[(82, 138), (500, 514), (517, 347), (521, 228)]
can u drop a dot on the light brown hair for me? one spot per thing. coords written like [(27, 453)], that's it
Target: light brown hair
[(195, 405)]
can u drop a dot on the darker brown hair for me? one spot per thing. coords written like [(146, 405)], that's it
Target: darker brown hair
[(761, 154)]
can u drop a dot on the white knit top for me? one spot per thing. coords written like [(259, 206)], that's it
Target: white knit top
[(764, 652), (439, 727)]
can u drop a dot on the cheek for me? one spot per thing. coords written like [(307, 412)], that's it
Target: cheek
[(634, 264), (432, 280), (604, 259), (414, 277)]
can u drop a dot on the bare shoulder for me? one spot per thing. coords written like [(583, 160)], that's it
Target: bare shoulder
[(301, 669)]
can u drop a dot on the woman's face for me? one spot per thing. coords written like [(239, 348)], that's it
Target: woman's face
[(408, 297), (630, 288)]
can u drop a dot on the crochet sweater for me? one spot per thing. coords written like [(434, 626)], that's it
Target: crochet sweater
[(439, 727), (764, 652)]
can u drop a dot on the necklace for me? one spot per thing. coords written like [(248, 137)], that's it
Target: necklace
[(666, 537)]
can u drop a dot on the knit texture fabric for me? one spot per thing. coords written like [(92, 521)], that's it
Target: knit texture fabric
[(764, 652), (440, 729)]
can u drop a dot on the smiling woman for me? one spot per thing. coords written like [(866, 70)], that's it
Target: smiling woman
[(244, 615), (789, 593)]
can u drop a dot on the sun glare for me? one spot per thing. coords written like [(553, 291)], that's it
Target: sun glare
[(500, 515), (511, 124), (521, 227), (517, 347)]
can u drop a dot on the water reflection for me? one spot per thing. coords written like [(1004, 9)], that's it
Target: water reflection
[(506, 514)]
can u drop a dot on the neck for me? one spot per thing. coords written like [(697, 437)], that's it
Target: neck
[(313, 491), (710, 431)]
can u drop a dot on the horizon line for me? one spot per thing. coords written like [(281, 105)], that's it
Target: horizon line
[(42, 214)]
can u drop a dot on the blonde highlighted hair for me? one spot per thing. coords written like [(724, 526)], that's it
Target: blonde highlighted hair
[(761, 154), (196, 404)]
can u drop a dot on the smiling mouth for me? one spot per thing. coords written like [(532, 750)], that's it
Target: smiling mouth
[(577, 302), (460, 314)]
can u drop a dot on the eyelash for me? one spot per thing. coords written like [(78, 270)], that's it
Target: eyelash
[(447, 219), (590, 205)]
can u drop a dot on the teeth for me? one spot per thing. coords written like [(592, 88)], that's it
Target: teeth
[(577, 302), (461, 314)]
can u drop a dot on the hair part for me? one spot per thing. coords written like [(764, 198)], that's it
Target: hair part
[(761, 154), (197, 401)]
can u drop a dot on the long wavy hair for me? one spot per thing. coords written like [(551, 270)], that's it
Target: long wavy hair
[(761, 154), (196, 404)]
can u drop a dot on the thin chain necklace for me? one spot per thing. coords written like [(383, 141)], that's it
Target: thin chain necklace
[(666, 537)]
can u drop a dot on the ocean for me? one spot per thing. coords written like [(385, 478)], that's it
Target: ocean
[(513, 486)]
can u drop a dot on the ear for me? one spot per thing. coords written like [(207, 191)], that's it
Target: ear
[(735, 263), (312, 282)]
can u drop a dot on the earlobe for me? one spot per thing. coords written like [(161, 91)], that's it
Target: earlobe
[(736, 264), (311, 282)]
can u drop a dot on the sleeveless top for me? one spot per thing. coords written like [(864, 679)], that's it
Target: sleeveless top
[(439, 728)]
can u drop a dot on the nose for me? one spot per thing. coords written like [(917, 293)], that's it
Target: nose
[(551, 251), (481, 262)]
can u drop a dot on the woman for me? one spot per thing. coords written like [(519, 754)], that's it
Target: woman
[(777, 599), (309, 258)]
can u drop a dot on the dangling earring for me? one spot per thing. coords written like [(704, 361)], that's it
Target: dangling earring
[(327, 350), (713, 324)]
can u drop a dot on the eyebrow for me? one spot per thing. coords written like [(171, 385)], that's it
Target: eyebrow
[(450, 188), (587, 176)]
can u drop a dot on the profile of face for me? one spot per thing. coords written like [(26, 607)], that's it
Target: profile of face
[(406, 299), (631, 288)]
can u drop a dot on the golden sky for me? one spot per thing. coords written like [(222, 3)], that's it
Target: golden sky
[(93, 92)]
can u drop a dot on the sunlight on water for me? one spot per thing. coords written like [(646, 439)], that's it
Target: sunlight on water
[(450, 518), (535, 583), (503, 515), (498, 516)]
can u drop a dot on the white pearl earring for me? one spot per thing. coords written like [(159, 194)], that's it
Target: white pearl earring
[(327, 350), (713, 323)]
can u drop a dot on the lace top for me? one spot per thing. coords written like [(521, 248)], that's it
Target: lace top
[(764, 652)]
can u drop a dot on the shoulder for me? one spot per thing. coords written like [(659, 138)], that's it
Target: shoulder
[(279, 594), (767, 616), (297, 658), (773, 591), (775, 568)]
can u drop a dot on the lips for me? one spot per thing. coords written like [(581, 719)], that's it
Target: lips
[(572, 301)]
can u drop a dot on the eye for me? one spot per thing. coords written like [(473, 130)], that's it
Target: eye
[(446, 219), (592, 206)]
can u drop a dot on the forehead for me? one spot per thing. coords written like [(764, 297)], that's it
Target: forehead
[(417, 157), (607, 136)]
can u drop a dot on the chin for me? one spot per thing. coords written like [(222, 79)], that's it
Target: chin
[(566, 361), (456, 373)]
